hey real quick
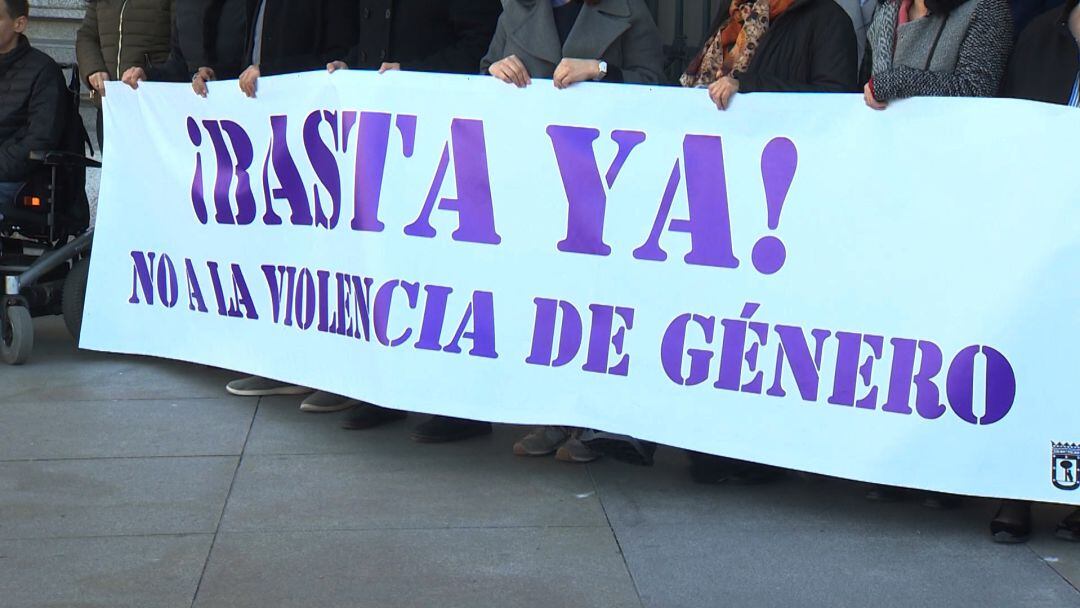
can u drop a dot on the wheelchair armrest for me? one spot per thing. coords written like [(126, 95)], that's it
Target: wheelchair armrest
[(63, 159)]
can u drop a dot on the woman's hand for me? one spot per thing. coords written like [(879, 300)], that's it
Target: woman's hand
[(97, 82), (389, 67), (334, 66), (249, 81), (198, 82), (868, 96), (511, 71), (133, 76), (572, 71), (723, 91)]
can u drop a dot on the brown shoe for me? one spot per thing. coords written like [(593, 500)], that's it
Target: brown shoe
[(543, 440), (575, 451)]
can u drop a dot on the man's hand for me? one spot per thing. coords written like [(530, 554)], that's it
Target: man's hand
[(97, 82), (198, 82), (334, 66), (386, 67), (572, 71), (868, 96), (722, 91), (512, 71), (133, 76), (249, 81)]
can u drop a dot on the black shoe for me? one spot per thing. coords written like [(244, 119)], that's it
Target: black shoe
[(367, 416), (941, 502), (710, 469), (443, 429), (1012, 524), (884, 494), (1069, 528), (754, 474), (620, 447)]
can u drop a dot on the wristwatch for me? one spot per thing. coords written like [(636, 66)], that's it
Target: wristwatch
[(603, 71)]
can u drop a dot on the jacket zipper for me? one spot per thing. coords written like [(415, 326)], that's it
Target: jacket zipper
[(120, 43)]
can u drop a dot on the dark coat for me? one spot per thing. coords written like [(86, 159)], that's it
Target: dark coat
[(1025, 11), (303, 35), (424, 35), (206, 33), (32, 113), (1044, 63), (620, 32), (119, 34), (811, 48)]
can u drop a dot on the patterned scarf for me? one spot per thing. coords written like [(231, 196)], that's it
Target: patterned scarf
[(731, 47)]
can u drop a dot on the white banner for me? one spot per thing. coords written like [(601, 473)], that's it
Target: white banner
[(799, 281)]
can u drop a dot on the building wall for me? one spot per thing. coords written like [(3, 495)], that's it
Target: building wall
[(53, 24)]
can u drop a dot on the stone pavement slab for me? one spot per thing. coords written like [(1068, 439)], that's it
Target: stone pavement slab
[(124, 572), (125, 479), (459, 568), (32, 430), (812, 541), (105, 497), (60, 372), (419, 486)]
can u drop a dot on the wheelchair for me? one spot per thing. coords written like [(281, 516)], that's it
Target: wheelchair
[(45, 241)]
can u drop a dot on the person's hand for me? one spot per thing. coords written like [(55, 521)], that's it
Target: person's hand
[(334, 66), (571, 71), (97, 82), (249, 81), (868, 96), (386, 67), (512, 71), (133, 76), (199, 80), (722, 91)]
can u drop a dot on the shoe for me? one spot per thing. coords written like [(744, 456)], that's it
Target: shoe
[(543, 440), (1012, 524), (322, 402), (620, 447), (941, 502), (573, 450), (754, 474), (367, 416), (257, 386), (1069, 528), (710, 469), (884, 494), (443, 429)]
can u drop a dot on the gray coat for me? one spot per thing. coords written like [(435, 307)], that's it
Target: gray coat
[(960, 53), (620, 32)]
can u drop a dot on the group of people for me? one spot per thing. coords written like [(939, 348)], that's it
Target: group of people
[(886, 49)]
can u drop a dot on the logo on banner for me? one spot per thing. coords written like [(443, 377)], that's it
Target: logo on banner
[(1064, 463)]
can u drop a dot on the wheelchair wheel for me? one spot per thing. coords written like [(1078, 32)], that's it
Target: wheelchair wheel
[(74, 296), (17, 339)]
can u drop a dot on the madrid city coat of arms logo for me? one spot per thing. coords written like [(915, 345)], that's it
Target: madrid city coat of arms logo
[(1065, 461)]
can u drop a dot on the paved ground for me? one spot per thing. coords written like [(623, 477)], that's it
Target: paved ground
[(134, 482)]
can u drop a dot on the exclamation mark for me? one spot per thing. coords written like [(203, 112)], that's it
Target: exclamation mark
[(778, 164)]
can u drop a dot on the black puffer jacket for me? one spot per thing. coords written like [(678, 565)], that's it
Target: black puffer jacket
[(811, 48), (31, 102)]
